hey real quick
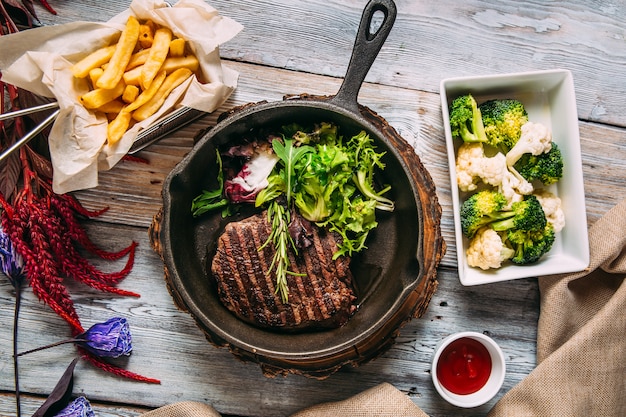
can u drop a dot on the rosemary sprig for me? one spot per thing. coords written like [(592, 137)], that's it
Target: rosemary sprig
[(279, 219)]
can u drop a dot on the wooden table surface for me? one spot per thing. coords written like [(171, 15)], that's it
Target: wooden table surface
[(297, 46)]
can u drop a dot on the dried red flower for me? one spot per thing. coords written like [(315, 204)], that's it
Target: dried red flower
[(46, 233)]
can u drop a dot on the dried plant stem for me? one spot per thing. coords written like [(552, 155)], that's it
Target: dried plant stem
[(18, 301), (51, 345)]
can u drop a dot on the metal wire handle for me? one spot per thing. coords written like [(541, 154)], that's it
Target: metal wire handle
[(41, 126), (174, 120)]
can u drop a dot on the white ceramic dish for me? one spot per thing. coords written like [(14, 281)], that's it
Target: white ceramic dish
[(493, 384), (548, 97)]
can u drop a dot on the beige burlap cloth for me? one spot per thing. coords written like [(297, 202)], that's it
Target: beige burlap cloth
[(581, 347)]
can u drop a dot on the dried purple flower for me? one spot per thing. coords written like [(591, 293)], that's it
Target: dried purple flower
[(110, 339), (80, 407), (11, 261)]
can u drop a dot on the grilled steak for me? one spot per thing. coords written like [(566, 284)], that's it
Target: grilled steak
[(322, 298)]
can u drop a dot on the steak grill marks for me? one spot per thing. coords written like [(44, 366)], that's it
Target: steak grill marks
[(320, 296)]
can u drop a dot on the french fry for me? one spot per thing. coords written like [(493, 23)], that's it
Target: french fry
[(146, 95), (137, 59), (190, 62), (133, 77), (95, 74), (177, 47), (100, 96), (130, 93), (95, 59), (146, 34), (118, 126), (158, 52), (113, 106), (123, 51), (172, 81)]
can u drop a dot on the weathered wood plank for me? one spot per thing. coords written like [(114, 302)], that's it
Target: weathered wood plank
[(430, 41), (30, 404)]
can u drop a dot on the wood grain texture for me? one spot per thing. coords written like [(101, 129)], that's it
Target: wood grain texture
[(293, 47), (431, 41)]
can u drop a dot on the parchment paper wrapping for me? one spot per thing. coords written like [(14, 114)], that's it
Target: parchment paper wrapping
[(39, 60)]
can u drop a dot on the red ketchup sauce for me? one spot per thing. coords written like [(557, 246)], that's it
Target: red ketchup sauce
[(464, 366)]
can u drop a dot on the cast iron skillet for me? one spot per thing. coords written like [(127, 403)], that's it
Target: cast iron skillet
[(395, 276)]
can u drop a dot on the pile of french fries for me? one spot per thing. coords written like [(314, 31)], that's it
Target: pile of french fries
[(130, 80)]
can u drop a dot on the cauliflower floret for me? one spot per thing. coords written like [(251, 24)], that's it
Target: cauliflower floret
[(486, 250), (508, 188), (535, 139), (551, 205), (472, 165), (469, 165), (514, 187), (520, 183), (494, 169)]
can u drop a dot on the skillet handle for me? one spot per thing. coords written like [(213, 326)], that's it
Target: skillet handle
[(366, 48)]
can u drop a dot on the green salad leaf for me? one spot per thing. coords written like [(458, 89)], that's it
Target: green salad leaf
[(213, 199), (289, 156), (367, 161)]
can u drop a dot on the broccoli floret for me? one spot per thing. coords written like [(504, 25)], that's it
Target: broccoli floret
[(466, 121), (479, 209), (488, 207), (503, 120), (546, 167), (525, 215), (530, 246)]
